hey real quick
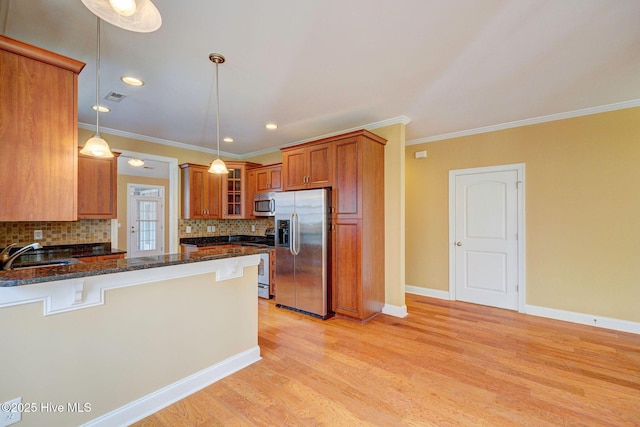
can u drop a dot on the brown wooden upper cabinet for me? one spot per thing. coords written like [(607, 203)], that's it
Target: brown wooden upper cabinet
[(269, 178), (97, 187), (38, 133), (307, 166), (200, 192)]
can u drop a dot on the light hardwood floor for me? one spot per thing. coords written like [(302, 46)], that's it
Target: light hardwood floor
[(446, 364)]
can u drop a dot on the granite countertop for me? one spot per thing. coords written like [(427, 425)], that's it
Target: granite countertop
[(49, 253), (225, 240), (62, 272)]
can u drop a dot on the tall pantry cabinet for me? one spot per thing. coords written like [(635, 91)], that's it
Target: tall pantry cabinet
[(38, 133), (356, 162)]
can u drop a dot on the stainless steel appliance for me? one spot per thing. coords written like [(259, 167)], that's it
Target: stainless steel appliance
[(302, 250), (264, 204), (264, 276)]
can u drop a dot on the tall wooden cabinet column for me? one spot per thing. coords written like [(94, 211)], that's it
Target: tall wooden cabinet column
[(38, 133), (358, 286), (356, 162)]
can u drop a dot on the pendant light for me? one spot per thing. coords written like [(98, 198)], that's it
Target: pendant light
[(140, 16), (217, 166), (96, 146)]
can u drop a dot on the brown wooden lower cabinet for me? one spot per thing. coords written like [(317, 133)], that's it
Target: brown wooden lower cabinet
[(100, 258)]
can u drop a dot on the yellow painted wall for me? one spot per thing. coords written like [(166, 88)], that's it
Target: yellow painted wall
[(142, 339), (123, 198), (394, 213), (582, 209)]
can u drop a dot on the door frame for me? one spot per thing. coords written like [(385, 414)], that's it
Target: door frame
[(521, 258), (129, 223)]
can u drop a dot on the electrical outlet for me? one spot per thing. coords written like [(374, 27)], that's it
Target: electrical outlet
[(253, 227), (7, 417), (188, 229), (208, 229), (37, 235), (213, 228)]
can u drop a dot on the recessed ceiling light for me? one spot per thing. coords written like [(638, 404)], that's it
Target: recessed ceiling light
[(136, 162), (271, 126), (227, 139), (133, 81), (100, 108)]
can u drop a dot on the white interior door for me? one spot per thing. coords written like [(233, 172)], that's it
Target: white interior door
[(145, 221), (486, 222)]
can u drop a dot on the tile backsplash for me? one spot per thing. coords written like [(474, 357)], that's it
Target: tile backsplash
[(224, 227), (56, 233)]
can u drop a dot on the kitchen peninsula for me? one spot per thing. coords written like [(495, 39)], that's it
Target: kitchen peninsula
[(126, 337)]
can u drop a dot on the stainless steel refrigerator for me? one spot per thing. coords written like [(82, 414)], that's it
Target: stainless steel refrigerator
[(302, 250)]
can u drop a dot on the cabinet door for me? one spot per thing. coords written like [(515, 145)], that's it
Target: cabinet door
[(294, 169), (97, 187), (233, 200), (211, 202), (346, 277), (262, 180), (346, 193), (251, 191), (195, 193), (320, 166), (275, 178)]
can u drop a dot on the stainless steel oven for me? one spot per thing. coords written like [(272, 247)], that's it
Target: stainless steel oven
[(264, 204)]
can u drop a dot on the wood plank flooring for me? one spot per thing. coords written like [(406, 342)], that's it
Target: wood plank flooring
[(446, 364)]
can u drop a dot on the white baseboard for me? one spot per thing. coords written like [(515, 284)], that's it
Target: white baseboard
[(395, 310), (151, 403), (426, 292), (584, 319), (550, 313)]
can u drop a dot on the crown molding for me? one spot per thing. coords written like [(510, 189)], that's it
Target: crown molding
[(535, 120), (375, 125), (146, 138)]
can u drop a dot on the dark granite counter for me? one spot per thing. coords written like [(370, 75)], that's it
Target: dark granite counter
[(225, 240), (47, 274), (49, 253)]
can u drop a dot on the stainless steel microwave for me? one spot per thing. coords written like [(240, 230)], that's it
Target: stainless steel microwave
[(264, 204)]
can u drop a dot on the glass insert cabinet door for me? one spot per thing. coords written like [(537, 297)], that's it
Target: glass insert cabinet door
[(234, 192)]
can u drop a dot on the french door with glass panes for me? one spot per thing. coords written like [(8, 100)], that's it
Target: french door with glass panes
[(145, 220)]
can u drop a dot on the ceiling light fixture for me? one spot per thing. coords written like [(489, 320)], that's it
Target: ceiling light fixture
[(228, 139), (136, 162), (100, 108), (132, 81), (271, 126), (96, 146), (140, 16), (217, 166)]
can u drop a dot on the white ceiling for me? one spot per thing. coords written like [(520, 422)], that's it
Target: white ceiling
[(317, 67)]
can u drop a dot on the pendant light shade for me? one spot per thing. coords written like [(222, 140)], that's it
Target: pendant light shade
[(217, 166), (96, 146), (140, 16)]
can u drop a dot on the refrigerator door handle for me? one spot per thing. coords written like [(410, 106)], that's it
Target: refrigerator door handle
[(292, 234), (295, 242)]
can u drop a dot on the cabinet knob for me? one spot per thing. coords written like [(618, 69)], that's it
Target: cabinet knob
[(458, 243)]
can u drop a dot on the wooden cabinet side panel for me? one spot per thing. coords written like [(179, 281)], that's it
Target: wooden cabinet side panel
[(346, 290), (251, 191), (197, 193), (372, 187), (38, 120)]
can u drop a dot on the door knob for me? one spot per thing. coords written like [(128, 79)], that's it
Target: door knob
[(458, 243)]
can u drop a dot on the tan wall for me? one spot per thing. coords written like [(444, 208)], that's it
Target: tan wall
[(394, 213), (123, 205), (582, 209), (144, 338)]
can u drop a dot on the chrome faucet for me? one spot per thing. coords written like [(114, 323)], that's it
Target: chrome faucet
[(7, 260)]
